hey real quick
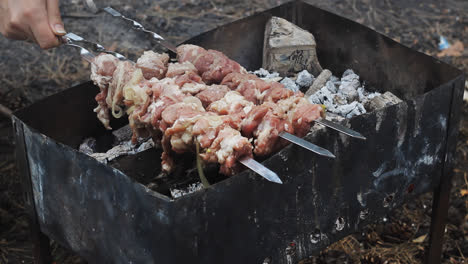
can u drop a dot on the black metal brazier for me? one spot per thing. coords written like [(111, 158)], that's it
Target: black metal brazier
[(108, 217)]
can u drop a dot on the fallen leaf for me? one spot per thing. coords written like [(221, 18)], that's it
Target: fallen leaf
[(420, 239), (455, 50)]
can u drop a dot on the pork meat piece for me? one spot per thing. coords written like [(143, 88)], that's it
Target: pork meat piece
[(193, 88), (212, 94), (164, 93), (124, 72), (228, 146), (231, 103), (266, 135), (188, 52), (212, 65), (102, 69), (189, 107), (153, 65), (180, 68), (183, 73), (276, 92), (102, 110), (304, 114)]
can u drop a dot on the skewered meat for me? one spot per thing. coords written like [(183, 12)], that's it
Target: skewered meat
[(177, 69), (212, 94), (244, 115), (212, 65), (153, 65), (121, 77), (228, 146), (255, 89), (102, 71)]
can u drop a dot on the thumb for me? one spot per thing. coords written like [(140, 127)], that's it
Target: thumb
[(55, 19)]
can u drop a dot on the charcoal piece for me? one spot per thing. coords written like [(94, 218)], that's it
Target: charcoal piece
[(382, 101), (288, 49), (334, 117), (319, 82), (347, 110), (347, 72), (122, 134), (262, 73), (349, 85), (290, 84), (88, 146), (331, 86), (339, 99), (305, 79)]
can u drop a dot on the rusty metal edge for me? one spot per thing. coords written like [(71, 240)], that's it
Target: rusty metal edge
[(41, 243)]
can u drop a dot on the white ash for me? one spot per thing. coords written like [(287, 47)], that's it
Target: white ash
[(290, 84), (123, 148), (191, 188), (304, 79), (264, 74), (349, 85), (88, 146), (345, 97)]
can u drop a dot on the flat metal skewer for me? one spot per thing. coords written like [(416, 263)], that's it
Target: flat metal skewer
[(73, 39), (306, 144), (136, 25), (84, 53), (261, 170), (340, 128)]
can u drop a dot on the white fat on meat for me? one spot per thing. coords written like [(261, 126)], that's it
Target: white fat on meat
[(102, 69), (228, 144), (193, 88), (123, 74), (177, 69), (153, 65), (231, 103), (182, 140), (134, 92)]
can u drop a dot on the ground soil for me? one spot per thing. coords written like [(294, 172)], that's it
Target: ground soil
[(28, 74)]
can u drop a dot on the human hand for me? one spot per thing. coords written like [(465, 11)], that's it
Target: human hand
[(36, 21)]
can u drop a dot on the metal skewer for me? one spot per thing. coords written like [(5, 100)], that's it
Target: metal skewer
[(260, 169), (306, 144), (340, 128), (85, 53), (72, 39), (136, 25)]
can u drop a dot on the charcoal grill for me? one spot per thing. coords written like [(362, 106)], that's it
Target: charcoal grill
[(105, 214)]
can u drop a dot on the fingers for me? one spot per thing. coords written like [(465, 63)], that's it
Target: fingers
[(55, 19), (32, 20), (41, 30)]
